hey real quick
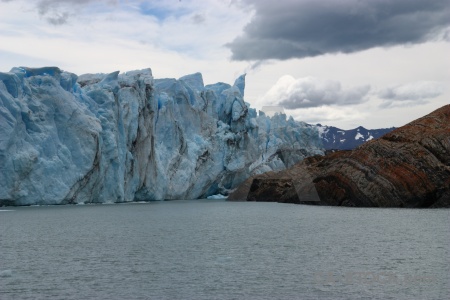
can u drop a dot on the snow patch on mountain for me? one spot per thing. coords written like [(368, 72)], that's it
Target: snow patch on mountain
[(359, 136)]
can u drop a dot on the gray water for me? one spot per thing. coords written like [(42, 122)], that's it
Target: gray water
[(214, 249)]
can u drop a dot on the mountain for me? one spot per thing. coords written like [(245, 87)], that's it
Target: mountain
[(99, 138), (408, 167), (334, 138)]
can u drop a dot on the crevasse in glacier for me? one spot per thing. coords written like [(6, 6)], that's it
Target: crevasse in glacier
[(126, 137)]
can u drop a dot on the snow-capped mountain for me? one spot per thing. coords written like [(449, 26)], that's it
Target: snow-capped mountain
[(334, 138)]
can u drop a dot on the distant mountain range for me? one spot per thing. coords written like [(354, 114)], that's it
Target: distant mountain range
[(338, 139)]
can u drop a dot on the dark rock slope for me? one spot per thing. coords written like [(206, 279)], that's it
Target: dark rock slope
[(408, 167)]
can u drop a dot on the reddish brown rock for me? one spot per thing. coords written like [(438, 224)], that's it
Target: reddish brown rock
[(408, 167)]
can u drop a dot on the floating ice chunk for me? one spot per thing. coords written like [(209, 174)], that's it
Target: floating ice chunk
[(218, 196)]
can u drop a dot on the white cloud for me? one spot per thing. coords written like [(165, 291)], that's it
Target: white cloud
[(412, 91), (307, 92), (410, 94), (328, 115), (105, 38)]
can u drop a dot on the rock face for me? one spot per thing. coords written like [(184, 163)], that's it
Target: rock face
[(408, 167), (126, 137), (266, 189)]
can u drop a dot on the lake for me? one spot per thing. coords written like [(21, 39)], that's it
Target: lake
[(213, 249)]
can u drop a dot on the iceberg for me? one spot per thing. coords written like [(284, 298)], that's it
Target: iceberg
[(217, 197), (122, 137)]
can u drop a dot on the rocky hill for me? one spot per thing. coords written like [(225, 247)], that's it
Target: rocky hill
[(408, 167)]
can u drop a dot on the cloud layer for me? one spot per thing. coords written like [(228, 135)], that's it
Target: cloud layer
[(327, 115), (308, 92), (410, 94), (413, 91), (295, 29)]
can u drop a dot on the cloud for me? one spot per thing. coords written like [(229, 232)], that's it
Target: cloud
[(296, 29), (410, 94), (198, 19), (58, 18), (104, 38), (413, 91), (308, 92), (58, 12), (329, 115)]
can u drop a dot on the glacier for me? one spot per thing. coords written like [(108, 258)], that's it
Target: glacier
[(121, 137)]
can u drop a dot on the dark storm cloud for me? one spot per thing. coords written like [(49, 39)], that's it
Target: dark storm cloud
[(295, 29)]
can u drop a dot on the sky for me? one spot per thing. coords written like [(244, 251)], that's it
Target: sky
[(344, 63)]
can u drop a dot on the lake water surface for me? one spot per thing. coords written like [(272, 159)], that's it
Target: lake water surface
[(212, 249)]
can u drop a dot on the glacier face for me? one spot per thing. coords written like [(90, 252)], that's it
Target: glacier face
[(126, 137)]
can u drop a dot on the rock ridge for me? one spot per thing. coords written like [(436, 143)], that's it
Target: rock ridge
[(408, 167)]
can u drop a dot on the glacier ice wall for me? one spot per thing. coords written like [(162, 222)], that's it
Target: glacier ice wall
[(126, 137)]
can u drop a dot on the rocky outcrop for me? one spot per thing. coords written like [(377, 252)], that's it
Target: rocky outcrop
[(408, 167), (123, 137)]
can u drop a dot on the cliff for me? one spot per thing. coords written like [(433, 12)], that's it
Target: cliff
[(408, 167)]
